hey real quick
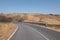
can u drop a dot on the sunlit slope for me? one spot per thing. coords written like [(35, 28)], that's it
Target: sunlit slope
[(46, 18)]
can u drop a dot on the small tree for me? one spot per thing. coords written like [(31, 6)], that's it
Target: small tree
[(3, 19)]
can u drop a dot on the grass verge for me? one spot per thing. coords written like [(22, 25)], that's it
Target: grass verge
[(5, 30), (54, 27)]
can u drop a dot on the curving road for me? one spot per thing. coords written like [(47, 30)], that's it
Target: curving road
[(30, 32)]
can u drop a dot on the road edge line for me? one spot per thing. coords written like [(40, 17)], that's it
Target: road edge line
[(13, 33), (44, 36), (41, 34)]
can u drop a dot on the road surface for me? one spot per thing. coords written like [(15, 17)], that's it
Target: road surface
[(30, 32)]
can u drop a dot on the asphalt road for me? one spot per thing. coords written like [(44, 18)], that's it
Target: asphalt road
[(31, 32)]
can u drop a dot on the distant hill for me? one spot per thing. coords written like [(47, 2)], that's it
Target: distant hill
[(46, 18)]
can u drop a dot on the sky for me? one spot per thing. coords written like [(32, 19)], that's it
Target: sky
[(30, 6)]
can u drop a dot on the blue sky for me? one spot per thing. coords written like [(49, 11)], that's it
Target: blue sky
[(31, 6)]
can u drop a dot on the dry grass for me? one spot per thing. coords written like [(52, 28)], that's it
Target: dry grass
[(45, 18), (5, 30), (54, 27), (48, 19)]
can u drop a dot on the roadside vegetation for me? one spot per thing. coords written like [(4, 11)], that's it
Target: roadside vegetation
[(6, 27), (54, 27), (5, 30)]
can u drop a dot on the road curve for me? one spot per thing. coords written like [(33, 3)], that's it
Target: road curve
[(30, 32), (50, 34)]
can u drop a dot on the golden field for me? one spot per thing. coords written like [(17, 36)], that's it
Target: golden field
[(5, 30)]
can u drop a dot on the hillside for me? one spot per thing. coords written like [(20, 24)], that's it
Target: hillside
[(49, 19), (53, 21)]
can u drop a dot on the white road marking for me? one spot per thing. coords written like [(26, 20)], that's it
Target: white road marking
[(40, 34), (32, 28), (13, 33)]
